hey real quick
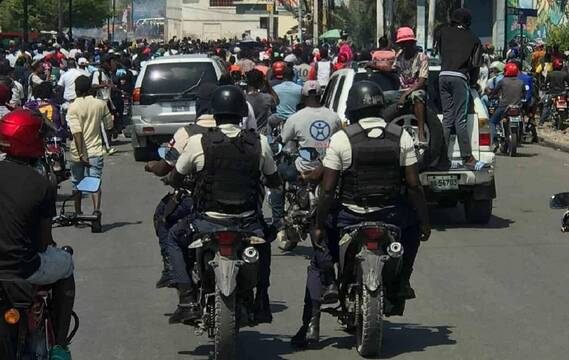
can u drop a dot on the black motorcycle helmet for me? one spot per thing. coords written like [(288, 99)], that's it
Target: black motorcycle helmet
[(365, 99), (228, 104)]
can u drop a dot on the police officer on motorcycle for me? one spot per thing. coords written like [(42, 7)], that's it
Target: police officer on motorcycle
[(229, 165), (368, 169)]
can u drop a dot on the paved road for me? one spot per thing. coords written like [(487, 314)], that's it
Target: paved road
[(493, 292)]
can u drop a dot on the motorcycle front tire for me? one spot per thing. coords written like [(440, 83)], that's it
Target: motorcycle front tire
[(226, 326), (369, 326)]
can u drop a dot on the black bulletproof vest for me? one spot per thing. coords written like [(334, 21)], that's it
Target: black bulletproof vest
[(229, 181), (374, 178)]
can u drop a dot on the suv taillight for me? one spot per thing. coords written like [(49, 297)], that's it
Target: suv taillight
[(136, 96), (483, 132)]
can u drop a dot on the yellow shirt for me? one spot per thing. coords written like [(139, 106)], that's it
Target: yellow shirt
[(85, 115)]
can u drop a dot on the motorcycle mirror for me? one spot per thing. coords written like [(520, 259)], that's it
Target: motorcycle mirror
[(308, 153), (559, 201), (89, 184), (162, 152), (196, 244)]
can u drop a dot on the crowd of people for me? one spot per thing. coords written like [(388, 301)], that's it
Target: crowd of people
[(270, 90)]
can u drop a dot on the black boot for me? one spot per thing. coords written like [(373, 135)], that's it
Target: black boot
[(188, 308), (313, 331), (329, 288), (165, 279), (406, 292), (299, 339), (263, 313)]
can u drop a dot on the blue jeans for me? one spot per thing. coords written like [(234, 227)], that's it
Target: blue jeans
[(322, 261), (79, 170), (546, 112), (288, 173), (163, 224), (495, 120)]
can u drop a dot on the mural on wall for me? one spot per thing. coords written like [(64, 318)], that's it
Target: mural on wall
[(551, 13)]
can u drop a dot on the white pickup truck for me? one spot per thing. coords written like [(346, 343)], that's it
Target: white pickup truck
[(444, 186)]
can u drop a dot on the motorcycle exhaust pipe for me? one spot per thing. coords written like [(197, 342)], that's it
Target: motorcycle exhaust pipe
[(395, 250), (250, 255)]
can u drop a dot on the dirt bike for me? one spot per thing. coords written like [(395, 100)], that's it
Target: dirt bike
[(225, 270), (26, 328), (370, 266)]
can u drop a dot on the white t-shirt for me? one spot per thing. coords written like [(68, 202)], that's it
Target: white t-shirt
[(103, 93), (339, 153), (193, 159), (249, 122), (67, 81)]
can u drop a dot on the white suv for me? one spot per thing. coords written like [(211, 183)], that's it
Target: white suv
[(164, 98), (475, 189)]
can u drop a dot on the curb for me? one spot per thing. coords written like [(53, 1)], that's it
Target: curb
[(553, 145)]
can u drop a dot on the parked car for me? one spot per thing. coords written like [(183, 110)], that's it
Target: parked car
[(443, 185), (164, 99)]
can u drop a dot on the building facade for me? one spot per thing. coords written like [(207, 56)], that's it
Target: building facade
[(218, 19)]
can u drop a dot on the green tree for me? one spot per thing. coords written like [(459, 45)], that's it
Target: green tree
[(43, 14)]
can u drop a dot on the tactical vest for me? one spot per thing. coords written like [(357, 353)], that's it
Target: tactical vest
[(229, 181), (374, 179)]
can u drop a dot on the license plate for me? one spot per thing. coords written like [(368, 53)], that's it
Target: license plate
[(181, 108), (515, 119), (443, 183)]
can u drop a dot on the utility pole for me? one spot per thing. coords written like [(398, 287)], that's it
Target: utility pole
[(25, 27), (59, 17), (113, 14), (379, 24), (324, 16), (300, 21), (70, 20), (431, 24), (421, 31), (315, 19), (270, 30)]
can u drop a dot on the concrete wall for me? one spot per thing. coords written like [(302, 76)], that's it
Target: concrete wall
[(196, 19)]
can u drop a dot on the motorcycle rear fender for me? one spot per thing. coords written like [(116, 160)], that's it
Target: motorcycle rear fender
[(371, 269), (226, 271)]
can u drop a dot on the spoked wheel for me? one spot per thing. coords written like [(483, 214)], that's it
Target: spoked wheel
[(369, 322), (226, 326), (513, 144)]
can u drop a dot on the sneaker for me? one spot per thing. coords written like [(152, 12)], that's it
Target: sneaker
[(59, 352)]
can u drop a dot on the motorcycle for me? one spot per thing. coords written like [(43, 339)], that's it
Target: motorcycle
[(561, 201), (55, 159), (26, 328), (88, 185), (225, 271), (369, 270), (507, 130), (559, 113)]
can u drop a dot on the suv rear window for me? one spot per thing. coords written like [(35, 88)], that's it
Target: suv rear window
[(174, 78), (386, 81)]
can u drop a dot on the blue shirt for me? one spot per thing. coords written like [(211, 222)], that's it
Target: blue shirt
[(528, 82), (289, 97)]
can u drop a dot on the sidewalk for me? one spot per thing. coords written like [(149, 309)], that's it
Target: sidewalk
[(553, 138)]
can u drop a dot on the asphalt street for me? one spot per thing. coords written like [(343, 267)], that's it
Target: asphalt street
[(492, 292)]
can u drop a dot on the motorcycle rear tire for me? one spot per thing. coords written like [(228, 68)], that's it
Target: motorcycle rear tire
[(513, 144), (226, 327), (369, 326)]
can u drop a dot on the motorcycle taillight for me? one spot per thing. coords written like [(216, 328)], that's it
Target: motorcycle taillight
[(514, 111), (225, 240), (373, 237)]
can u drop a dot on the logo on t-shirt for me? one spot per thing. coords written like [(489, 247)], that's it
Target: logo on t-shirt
[(320, 130)]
